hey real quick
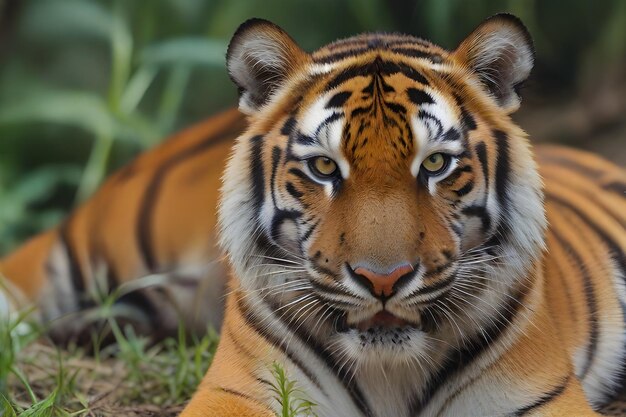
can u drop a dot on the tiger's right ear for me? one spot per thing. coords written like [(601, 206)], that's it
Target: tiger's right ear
[(500, 52), (260, 57)]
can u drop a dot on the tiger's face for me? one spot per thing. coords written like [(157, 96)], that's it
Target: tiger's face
[(379, 185)]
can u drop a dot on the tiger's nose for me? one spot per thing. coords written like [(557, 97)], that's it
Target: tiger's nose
[(380, 285)]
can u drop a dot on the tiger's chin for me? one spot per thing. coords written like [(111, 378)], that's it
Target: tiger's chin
[(382, 335)]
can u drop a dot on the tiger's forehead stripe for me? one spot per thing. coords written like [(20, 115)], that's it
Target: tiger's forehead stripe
[(376, 65), (435, 125), (406, 45)]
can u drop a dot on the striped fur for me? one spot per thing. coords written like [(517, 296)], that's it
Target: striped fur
[(515, 302), (148, 218)]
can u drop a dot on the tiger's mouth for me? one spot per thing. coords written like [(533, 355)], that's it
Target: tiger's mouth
[(381, 321)]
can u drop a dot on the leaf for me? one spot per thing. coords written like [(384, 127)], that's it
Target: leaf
[(37, 185), (6, 409), (84, 110), (43, 408), (190, 51), (62, 19)]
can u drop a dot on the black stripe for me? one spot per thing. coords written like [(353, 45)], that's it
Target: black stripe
[(390, 68), (586, 193), (442, 283), (380, 67), (616, 187), (395, 107), (503, 169), (419, 53), (338, 56), (466, 189), (469, 123), (279, 218), (239, 347), (338, 99), (451, 135), (362, 47), (331, 289), (257, 173), (348, 74), (456, 174), (288, 127), (457, 229), (293, 191), (544, 399), (300, 174), (590, 299), (353, 43), (430, 118), (237, 394), (280, 344), (330, 119), (308, 233), (472, 348), (323, 270), (558, 272), (140, 300), (303, 139), (378, 40), (481, 152), (244, 396), (361, 110), (468, 120), (419, 97), (438, 270), (76, 273), (480, 212), (145, 214), (613, 246), (569, 163)]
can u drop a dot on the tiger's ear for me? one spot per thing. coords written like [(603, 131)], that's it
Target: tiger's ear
[(500, 51), (260, 57)]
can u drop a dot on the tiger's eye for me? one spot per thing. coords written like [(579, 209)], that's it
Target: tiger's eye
[(324, 167), (434, 163)]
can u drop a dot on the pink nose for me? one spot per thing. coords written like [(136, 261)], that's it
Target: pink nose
[(382, 284)]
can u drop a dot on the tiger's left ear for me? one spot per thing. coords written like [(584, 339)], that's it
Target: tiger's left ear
[(259, 59), (500, 51)]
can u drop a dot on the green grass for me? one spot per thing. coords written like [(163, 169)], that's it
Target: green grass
[(290, 397), (127, 378)]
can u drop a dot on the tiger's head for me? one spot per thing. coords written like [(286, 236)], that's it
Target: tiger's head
[(382, 198)]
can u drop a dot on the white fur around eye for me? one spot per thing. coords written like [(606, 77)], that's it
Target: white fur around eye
[(329, 136), (425, 139)]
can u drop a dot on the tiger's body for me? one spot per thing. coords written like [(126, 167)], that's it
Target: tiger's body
[(392, 244), (121, 234)]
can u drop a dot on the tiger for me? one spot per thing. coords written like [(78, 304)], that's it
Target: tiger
[(392, 238)]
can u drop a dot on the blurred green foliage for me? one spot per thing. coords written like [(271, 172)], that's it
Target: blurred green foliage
[(87, 84)]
